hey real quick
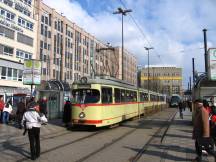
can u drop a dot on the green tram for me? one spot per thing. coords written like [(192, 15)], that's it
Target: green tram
[(107, 101)]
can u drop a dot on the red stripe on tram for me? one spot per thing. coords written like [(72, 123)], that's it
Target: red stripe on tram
[(126, 103)]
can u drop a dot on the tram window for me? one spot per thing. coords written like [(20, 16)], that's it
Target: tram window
[(134, 96), (128, 96), (85, 96), (123, 95), (142, 97), (106, 95), (117, 95)]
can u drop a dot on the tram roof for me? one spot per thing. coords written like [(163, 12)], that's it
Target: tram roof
[(106, 81)]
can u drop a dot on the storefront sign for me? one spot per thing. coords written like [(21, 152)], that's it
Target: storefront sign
[(212, 63), (32, 72)]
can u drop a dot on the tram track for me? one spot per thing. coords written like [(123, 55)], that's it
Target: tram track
[(145, 147), (106, 145)]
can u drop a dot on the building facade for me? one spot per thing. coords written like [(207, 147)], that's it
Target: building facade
[(67, 52), (167, 80), (29, 29), (18, 29)]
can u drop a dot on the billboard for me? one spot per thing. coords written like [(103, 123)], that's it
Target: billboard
[(212, 63), (32, 72)]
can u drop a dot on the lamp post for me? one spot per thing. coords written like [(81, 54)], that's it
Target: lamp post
[(123, 12), (148, 48)]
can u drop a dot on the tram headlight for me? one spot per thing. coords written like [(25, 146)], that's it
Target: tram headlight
[(82, 115)]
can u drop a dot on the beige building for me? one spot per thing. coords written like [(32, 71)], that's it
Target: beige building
[(18, 32), (167, 80), (68, 52)]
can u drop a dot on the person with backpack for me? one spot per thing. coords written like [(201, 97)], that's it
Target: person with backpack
[(32, 122)]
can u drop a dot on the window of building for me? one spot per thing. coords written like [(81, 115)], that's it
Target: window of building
[(6, 14), (23, 55), (6, 32), (15, 74), (9, 74), (25, 23), (42, 29), (3, 72), (42, 18), (20, 74), (24, 39), (6, 50), (46, 20), (8, 2), (22, 9), (27, 2)]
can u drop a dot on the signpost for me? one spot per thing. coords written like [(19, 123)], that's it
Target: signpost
[(32, 72), (212, 64)]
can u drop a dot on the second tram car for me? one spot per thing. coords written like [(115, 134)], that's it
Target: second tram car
[(107, 101)]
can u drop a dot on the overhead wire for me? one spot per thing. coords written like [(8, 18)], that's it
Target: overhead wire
[(141, 31)]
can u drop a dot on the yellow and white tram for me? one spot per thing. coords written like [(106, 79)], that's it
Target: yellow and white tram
[(107, 101)]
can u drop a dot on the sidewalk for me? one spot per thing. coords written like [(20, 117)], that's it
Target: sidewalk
[(177, 144)]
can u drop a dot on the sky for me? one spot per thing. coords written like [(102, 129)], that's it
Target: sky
[(172, 27)]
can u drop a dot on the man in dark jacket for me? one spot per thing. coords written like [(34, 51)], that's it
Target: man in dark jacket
[(43, 106), (67, 113), (21, 108)]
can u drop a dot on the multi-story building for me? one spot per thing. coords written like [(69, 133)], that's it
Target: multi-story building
[(18, 29), (68, 52), (167, 80), (129, 66)]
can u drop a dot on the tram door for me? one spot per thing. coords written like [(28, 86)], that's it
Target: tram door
[(54, 105)]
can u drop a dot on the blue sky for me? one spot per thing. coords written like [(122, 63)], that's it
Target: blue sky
[(172, 27)]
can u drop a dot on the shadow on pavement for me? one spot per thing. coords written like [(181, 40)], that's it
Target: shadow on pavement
[(164, 155), (7, 145)]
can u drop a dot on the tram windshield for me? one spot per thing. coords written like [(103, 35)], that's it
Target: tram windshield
[(84, 96)]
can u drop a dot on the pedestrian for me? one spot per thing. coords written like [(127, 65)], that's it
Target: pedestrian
[(7, 111), (2, 104), (207, 107), (180, 105), (201, 131), (21, 108), (67, 113), (32, 121), (43, 105)]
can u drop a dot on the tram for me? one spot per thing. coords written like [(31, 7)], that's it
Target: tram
[(106, 101)]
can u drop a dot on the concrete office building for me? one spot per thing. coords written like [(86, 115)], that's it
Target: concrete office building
[(68, 52), (18, 32), (167, 80)]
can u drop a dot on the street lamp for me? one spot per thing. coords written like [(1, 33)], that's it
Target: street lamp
[(148, 48), (123, 12)]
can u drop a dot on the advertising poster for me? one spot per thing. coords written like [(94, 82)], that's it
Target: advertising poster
[(32, 72)]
